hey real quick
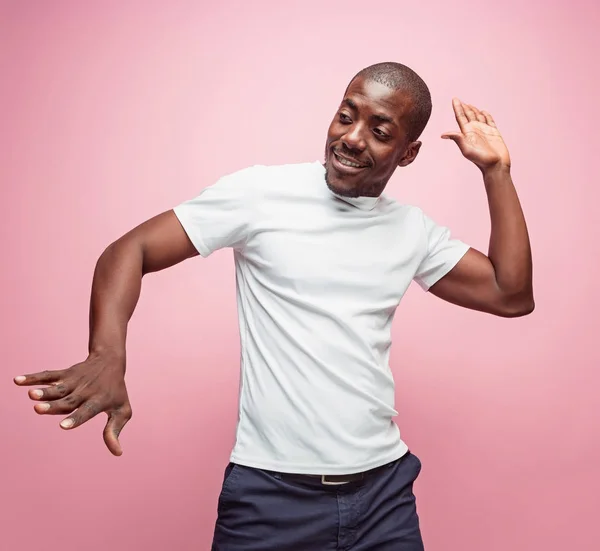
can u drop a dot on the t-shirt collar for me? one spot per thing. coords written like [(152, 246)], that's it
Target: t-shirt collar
[(362, 203)]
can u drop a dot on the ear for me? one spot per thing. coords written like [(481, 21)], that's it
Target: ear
[(410, 154)]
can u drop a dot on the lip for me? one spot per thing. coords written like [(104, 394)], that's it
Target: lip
[(339, 167)]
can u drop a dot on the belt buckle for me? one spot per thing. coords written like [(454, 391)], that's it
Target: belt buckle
[(326, 482)]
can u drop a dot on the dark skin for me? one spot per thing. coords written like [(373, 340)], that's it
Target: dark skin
[(369, 130)]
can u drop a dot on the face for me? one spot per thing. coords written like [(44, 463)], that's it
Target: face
[(368, 139)]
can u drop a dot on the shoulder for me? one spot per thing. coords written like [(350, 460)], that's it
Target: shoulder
[(402, 212)]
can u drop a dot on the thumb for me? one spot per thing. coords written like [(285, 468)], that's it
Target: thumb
[(114, 426), (454, 136)]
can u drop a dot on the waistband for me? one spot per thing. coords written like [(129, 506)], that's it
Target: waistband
[(338, 479)]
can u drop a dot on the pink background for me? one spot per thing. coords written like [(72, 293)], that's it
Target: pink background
[(115, 111)]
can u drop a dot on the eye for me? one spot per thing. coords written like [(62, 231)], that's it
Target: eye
[(380, 133), (345, 119)]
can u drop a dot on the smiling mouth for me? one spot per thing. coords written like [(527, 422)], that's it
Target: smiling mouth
[(348, 162)]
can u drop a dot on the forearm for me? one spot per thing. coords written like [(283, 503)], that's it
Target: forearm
[(116, 289), (509, 249)]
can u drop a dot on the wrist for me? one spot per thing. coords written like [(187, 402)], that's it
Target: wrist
[(115, 353), (500, 169)]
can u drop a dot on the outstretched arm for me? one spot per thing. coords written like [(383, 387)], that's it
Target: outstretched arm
[(156, 244), (501, 282), (98, 384)]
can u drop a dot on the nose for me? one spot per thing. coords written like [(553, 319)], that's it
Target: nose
[(353, 139)]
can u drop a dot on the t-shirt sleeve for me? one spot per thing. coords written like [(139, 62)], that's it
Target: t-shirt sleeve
[(443, 253), (221, 215)]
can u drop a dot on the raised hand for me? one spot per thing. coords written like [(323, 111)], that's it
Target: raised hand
[(83, 391), (479, 139)]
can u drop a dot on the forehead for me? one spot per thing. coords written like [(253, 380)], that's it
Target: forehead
[(378, 98)]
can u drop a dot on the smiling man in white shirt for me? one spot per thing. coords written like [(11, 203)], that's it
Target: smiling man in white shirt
[(322, 259)]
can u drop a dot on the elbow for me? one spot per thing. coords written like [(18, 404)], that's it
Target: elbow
[(520, 311), (518, 306), (124, 251)]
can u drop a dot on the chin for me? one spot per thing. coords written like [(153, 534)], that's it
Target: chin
[(341, 186)]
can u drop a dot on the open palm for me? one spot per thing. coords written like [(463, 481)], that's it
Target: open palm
[(479, 139)]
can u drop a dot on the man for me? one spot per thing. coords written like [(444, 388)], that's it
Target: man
[(322, 261)]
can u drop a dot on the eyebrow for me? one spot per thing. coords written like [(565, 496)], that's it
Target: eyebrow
[(377, 116)]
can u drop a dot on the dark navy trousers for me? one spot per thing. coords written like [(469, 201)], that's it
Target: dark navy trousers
[(267, 511)]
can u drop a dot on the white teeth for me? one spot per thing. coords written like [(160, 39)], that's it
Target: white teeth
[(348, 163)]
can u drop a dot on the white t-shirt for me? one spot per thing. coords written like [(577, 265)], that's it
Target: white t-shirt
[(319, 278)]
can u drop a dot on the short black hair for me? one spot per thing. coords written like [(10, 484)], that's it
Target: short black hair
[(400, 77)]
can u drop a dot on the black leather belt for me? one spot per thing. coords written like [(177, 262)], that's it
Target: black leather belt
[(338, 479)]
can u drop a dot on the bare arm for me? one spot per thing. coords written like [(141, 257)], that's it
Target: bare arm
[(156, 244), (98, 384), (501, 282)]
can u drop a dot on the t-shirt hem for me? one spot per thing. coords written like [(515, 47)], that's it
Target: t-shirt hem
[(318, 469), (429, 281), (180, 212)]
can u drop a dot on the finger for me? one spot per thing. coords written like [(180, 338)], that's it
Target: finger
[(41, 378), (469, 113), (489, 119), (459, 113), (55, 392), (116, 421), (478, 114), (68, 404), (84, 413), (455, 136)]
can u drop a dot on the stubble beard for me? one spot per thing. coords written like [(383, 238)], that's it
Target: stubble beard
[(361, 190), (353, 192)]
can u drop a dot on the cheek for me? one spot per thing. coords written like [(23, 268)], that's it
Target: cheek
[(385, 157), (332, 132), (391, 156)]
